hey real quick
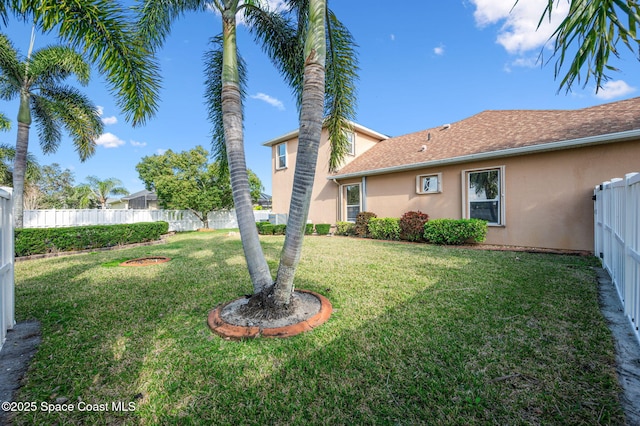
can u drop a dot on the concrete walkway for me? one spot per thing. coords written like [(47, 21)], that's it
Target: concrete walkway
[(627, 348)]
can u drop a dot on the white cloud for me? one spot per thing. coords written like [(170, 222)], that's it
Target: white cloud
[(614, 89), (110, 120), (519, 32), (273, 5), (161, 151), (392, 37), (106, 120), (270, 100), (138, 144), (439, 50), (109, 140)]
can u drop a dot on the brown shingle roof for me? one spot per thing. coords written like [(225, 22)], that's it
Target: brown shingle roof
[(494, 131)]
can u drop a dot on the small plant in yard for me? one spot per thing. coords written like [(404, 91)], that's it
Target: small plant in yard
[(423, 334), (362, 223), (455, 231), (412, 225), (323, 228), (384, 228), (308, 229), (345, 228)]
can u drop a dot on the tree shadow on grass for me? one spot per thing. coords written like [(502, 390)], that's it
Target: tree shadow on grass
[(426, 343)]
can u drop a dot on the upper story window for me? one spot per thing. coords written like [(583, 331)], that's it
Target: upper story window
[(485, 195), (429, 184), (281, 156), (351, 143)]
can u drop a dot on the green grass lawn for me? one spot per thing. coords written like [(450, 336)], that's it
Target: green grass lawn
[(420, 334)]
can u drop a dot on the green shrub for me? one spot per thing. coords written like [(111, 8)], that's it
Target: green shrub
[(323, 228), (279, 229), (264, 228), (308, 229), (412, 225), (384, 228), (267, 229), (30, 241), (362, 223), (345, 228), (455, 231)]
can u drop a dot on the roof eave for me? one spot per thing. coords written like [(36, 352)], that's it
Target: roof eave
[(509, 152), (294, 134)]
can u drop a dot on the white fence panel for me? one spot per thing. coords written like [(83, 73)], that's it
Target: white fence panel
[(617, 239), (7, 289), (179, 220)]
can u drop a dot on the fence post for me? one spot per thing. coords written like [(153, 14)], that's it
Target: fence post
[(7, 258)]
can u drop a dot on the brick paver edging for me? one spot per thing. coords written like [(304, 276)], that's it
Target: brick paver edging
[(237, 332)]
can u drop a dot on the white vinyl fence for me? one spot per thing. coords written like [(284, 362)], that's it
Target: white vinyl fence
[(7, 301), (179, 220), (617, 239)]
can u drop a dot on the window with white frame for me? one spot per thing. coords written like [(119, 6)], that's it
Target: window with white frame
[(429, 184), (352, 201), (281, 156), (351, 143), (484, 195)]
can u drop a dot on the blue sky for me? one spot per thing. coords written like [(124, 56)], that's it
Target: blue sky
[(422, 65)]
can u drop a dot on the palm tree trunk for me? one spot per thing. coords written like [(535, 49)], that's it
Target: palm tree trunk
[(19, 172), (234, 141), (311, 114)]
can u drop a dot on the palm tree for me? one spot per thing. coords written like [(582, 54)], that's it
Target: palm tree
[(100, 190), (38, 82), (596, 27), (103, 31), (298, 48), (7, 159), (5, 123)]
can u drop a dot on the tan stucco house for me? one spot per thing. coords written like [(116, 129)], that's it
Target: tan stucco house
[(530, 173)]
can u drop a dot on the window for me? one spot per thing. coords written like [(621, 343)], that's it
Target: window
[(352, 197), (351, 145), (484, 195), (281, 156), (429, 184)]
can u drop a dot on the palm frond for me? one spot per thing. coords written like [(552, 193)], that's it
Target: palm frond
[(588, 36), (105, 33), (281, 40), (340, 88), (5, 123), (78, 115), (11, 67), (54, 64), (7, 157), (156, 17), (48, 124), (213, 97)]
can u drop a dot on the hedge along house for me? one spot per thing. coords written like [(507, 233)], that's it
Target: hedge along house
[(529, 173)]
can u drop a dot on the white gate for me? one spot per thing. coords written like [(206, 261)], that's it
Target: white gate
[(617, 239), (7, 300)]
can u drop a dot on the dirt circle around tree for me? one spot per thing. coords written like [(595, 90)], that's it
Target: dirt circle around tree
[(146, 261), (312, 310)]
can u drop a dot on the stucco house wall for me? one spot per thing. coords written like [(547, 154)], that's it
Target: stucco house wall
[(547, 196), (324, 198)]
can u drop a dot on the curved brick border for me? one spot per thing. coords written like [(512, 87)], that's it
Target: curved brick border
[(134, 262), (237, 332)]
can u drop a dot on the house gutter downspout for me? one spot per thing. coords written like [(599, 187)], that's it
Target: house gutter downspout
[(364, 194), (339, 203)]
